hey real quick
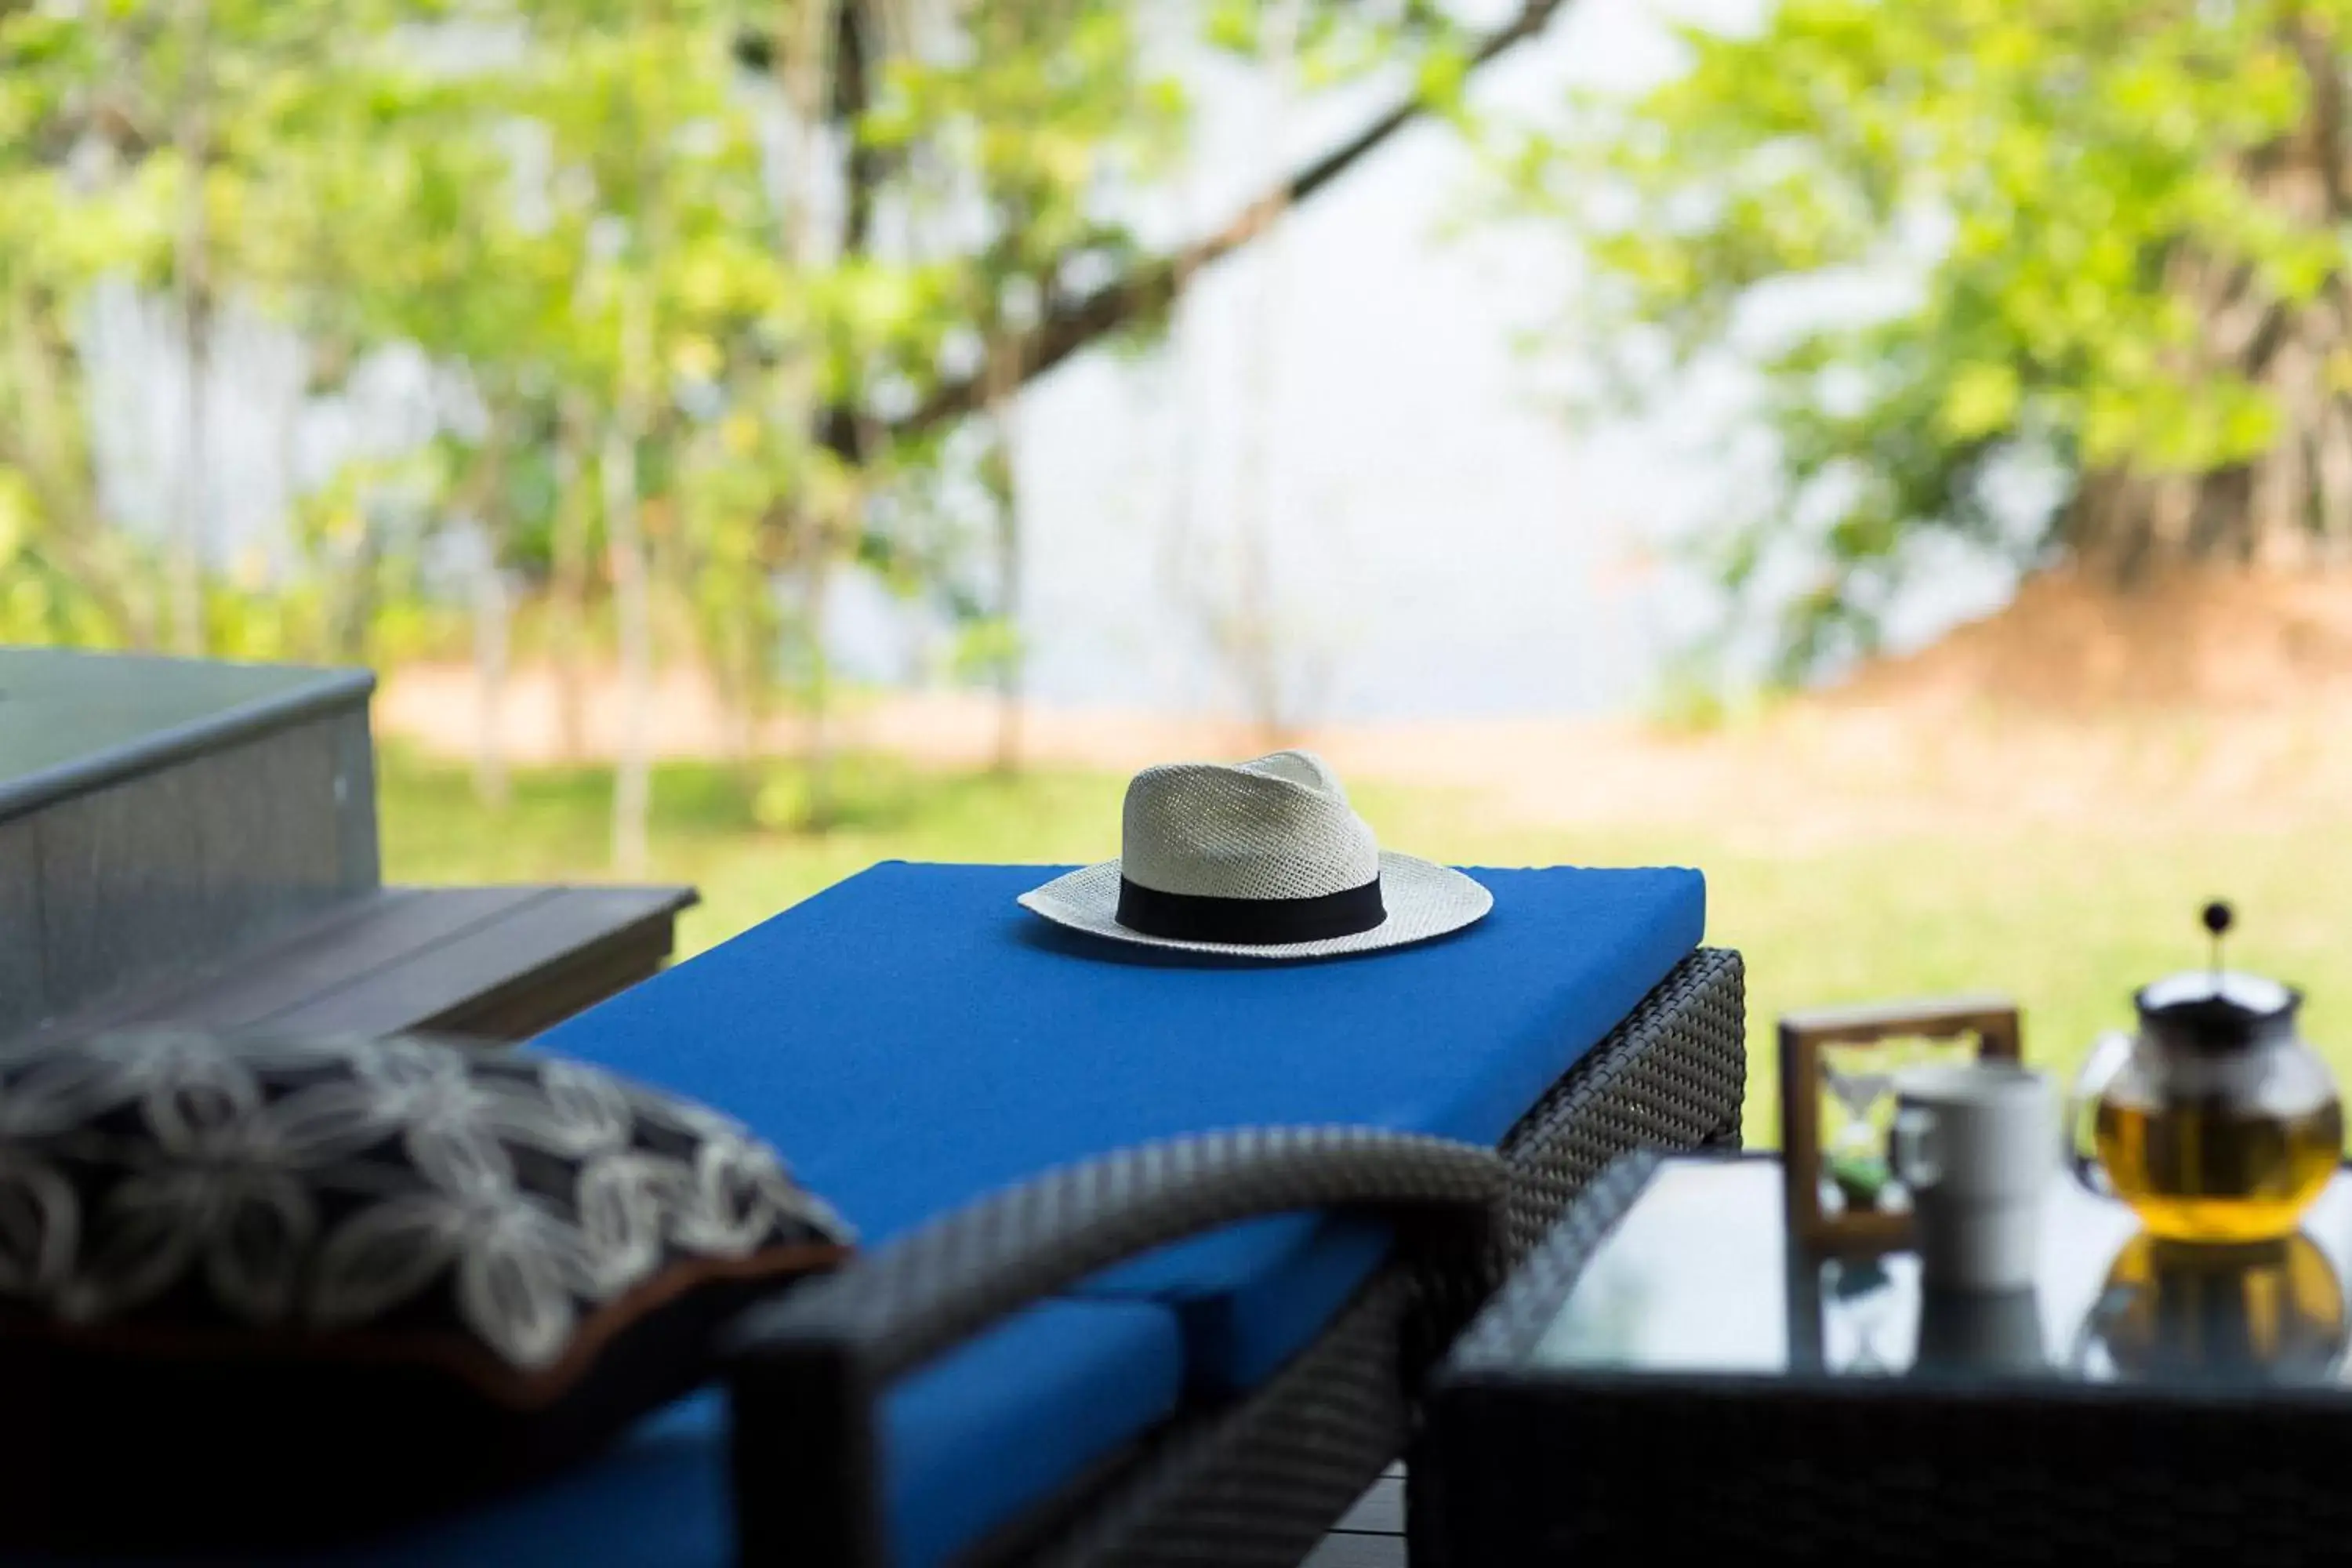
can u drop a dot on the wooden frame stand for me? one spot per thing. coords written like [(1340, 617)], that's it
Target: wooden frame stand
[(1990, 1022)]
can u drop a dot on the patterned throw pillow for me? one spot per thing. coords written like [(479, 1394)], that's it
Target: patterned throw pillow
[(369, 1277)]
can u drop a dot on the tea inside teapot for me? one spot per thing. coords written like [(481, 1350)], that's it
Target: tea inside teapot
[(2215, 1171)]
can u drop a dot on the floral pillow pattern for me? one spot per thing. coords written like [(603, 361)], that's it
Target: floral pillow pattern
[(507, 1212)]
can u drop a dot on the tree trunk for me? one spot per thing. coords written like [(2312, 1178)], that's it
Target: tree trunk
[(492, 619), (2289, 507), (817, 733), (743, 711), (1179, 567), (2292, 505), (324, 554), (1004, 485), (1253, 644), (493, 622), (354, 605), (632, 595), (190, 265), (568, 584), (809, 35)]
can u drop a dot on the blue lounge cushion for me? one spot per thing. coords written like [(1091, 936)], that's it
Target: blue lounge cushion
[(912, 1040), (971, 1443), (968, 1444)]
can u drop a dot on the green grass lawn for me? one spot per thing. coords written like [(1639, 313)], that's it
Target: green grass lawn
[(2066, 921)]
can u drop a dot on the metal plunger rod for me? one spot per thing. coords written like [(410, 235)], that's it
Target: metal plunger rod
[(2217, 918)]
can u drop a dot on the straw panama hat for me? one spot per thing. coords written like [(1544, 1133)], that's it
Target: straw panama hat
[(1263, 859)]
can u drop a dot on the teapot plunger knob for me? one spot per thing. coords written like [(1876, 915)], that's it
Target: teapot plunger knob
[(2218, 918)]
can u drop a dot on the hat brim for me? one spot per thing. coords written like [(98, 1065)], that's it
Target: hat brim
[(1423, 901)]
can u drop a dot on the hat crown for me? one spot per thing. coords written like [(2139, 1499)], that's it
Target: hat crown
[(1278, 826)]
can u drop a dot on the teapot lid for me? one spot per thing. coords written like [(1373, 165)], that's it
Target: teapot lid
[(2221, 994), (2217, 1007)]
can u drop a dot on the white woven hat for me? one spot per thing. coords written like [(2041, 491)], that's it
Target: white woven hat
[(1263, 859)]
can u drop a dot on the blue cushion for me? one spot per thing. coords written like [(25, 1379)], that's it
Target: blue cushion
[(975, 1440), (657, 1498), (911, 1038), (1006, 1422)]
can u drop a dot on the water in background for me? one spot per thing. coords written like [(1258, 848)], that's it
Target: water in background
[(1439, 541), (1438, 538)]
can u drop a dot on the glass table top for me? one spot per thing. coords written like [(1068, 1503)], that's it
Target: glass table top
[(1698, 1278)]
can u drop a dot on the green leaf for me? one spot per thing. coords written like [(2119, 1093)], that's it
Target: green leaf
[(1233, 24), (2076, 232), (1980, 399)]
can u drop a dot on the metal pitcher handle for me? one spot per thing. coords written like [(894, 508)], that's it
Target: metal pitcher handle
[(2108, 1056)]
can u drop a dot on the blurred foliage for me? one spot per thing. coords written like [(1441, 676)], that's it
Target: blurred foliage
[(692, 280), (1939, 241), (817, 210)]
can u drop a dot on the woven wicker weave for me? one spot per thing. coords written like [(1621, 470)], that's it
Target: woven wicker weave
[(1614, 1467), (1597, 1467), (1258, 1480)]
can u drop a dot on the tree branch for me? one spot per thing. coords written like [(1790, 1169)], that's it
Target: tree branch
[(1072, 325)]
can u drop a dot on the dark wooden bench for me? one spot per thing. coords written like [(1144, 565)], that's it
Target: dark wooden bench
[(185, 842), (492, 964)]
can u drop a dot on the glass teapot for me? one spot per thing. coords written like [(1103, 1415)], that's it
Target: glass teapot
[(2215, 1122)]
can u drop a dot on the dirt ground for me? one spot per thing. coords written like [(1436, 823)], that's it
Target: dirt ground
[(2192, 700), (2222, 641)]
